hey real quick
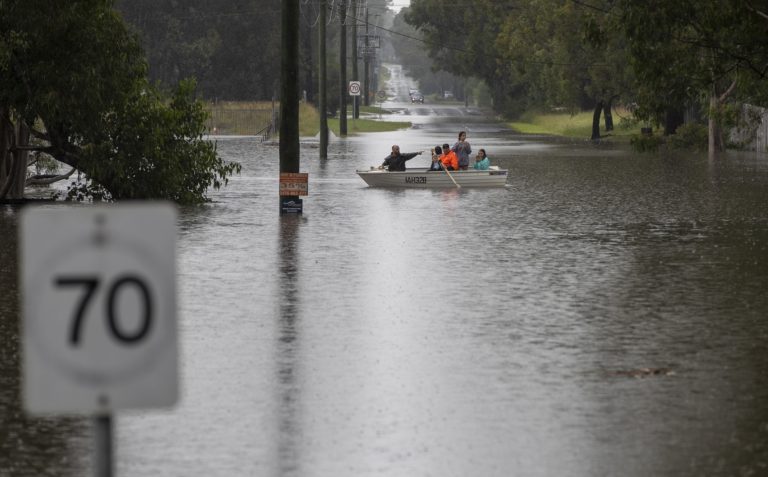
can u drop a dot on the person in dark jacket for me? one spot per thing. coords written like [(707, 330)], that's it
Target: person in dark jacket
[(396, 160)]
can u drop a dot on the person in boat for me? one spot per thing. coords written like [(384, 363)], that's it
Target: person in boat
[(482, 162), (462, 150), (449, 159), (437, 151), (396, 160)]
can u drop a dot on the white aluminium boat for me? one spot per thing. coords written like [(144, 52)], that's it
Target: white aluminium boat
[(421, 179)]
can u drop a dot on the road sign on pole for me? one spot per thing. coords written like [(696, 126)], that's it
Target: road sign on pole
[(354, 88), (294, 183), (99, 308)]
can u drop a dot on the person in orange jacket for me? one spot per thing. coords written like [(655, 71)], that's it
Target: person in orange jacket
[(449, 159)]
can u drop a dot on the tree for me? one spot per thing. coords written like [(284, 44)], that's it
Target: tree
[(74, 76), (535, 55), (462, 41), (690, 51)]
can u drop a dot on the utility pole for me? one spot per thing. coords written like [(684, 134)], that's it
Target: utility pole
[(323, 100), (366, 55), (355, 74), (343, 69), (289, 90)]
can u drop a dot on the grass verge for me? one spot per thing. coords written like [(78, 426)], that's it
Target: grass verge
[(367, 126), (577, 125)]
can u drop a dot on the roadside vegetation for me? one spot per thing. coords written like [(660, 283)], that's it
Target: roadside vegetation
[(356, 126), (688, 62), (74, 88), (578, 125)]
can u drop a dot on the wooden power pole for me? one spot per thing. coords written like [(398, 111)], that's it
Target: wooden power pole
[(289, 90), (366, 78), (355, 73), (343, 69), (323, 101)]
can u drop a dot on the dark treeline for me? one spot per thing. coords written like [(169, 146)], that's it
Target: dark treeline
[(232, 47), (74, 91)]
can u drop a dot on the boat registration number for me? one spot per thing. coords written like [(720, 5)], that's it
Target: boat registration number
[(416, 180)]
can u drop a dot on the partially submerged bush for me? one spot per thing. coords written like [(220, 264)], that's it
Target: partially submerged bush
[(646, 143), (690, 136)]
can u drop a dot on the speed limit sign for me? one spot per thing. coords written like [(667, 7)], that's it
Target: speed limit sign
[(354, 88), (99, 308)]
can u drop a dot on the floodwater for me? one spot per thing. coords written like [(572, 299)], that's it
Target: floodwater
[(603, 314)]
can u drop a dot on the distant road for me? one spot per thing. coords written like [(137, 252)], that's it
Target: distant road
[(398, 99)]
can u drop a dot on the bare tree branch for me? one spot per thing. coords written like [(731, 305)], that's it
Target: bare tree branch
[(758, 12)]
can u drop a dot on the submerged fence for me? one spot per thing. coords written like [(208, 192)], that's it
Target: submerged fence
[(230, 121), (752, 132), (761, 135)]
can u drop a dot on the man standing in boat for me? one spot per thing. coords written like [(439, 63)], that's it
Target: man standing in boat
[(396, 160)]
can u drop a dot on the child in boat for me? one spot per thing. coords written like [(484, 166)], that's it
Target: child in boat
[(436, 153), (482, 162), (449, 159)]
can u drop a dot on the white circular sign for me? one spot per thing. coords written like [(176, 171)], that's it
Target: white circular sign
[(354, 88), (99, 313)]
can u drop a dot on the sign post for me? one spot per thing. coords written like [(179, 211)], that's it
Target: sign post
[(99, 312), (292, 185), (354, 91)]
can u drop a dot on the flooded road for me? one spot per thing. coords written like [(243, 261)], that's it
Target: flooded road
[(603, 314)]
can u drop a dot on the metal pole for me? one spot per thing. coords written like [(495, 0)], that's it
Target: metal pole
[(103, 450)]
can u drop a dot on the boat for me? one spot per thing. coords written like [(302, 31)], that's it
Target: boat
[(421, 179)]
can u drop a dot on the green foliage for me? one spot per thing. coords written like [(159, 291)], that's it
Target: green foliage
[(690, 136), (573, 125), (77, 77), (659, 56), (643, 143), (161, 150), (685, 51)]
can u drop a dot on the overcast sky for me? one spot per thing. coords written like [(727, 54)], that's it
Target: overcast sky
[(398, 4)]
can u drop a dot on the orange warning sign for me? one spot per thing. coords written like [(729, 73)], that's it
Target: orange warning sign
[(294, 183)]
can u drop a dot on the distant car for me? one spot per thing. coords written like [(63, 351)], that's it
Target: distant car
[(417, 98), (448, 94)]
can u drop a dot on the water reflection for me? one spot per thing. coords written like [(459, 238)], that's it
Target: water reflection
[(287, 362)]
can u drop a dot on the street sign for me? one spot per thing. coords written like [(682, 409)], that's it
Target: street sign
[(291, 206), (354, 88), (381, 95), (294, 183), (99, 308)]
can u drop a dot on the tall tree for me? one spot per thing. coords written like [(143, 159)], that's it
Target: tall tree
[(689, 49), (75, 77)]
